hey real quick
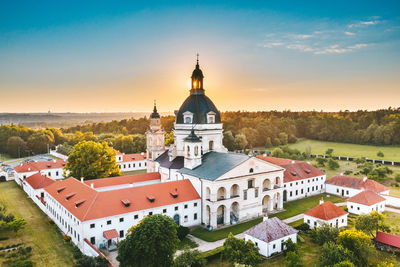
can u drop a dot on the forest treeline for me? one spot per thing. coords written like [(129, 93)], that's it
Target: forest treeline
[(241, 130)]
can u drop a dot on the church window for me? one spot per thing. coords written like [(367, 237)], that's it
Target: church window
[(251, 170), (188, 120), (244, 195), (188, 150), (186, 218), (250, 183), (211, 145), (256, 193), (196, 150)]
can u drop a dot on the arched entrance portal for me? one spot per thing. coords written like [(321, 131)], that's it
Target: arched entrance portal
[(220, 214), (266, 202), (284, 195), (234, 216)]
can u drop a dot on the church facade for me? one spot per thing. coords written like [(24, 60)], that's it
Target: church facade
[(233, 187)]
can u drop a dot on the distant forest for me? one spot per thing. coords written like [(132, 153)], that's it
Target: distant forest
[(241, 130)]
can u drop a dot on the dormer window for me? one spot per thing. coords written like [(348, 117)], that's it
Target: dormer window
[(211, 117), (188, 117)]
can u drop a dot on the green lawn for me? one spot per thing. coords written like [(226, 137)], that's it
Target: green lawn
[(291, 209), (48, 247), (393, 220), (5, 157), (350, 150), (134, 172), (187, 243)]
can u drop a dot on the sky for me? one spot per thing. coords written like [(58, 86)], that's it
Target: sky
[(119, 56)]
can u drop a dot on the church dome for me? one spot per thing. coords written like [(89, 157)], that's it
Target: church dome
[(199, 105)]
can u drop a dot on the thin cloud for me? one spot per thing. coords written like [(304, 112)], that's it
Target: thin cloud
[(364, 23), (350, 33), (273, 44)]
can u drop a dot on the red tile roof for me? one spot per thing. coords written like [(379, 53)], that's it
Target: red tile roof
[(38, 180), (357, 183), (294, 169), (94, 204), (388, 239), (110, 234), (120, 180), (40, 165), (326, 211), (367, 198), (133, 157)]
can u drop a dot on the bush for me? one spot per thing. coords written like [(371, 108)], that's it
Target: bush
[(324, 234), (213, 254), (380, 154), (333, 164), (182, 232), (303, 227), (348, 172), (397, 177), (66, 238)]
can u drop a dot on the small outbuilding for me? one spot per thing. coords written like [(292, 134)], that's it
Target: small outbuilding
[(270, 235), (326, 213), (388, 242), (365, 202)]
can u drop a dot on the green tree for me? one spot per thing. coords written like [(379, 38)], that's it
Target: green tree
[(239, 251), (277, 152), (152, 242), (359, 243), (344, 264), (92, 160), (329, 152), (16, 146), (229, 140), (40, 141), (380, 154), (333, 164), (332, 254), (251, 136), (283, 137), (268, 142), (292, 259), (371, 223), (324, 234), (190, 258), (290, 246), (321, 161), (240, 141)]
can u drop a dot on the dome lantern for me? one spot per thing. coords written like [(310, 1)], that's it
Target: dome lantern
[(197, 79)]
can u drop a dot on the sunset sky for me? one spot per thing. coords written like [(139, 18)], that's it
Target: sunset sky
[(106, 56)]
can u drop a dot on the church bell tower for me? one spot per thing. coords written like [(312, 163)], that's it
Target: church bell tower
[(155, 140)]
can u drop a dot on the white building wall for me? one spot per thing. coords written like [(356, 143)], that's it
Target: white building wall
[(268, 249), (316, 222), (304, 188), (189, 215), (391, 200), (358, 209), (132, 165), (341, 191)]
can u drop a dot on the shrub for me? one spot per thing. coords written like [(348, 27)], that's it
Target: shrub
[(66, 238), (50, 221), (348, 172), (182, 232), (380, 154), (397, 177), (303, 227)]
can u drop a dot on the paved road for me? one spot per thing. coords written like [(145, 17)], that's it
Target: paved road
[(392, 209)]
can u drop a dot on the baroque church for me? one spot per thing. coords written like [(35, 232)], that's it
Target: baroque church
[(233, 187)]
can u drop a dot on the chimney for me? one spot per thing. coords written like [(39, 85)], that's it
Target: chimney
[(29, 169), (265, 217), (142, 153), (92, 185), (292, 161), (365, 178), (54, 161), (65, 160), (81, 179), (321, 201), (264, 155)]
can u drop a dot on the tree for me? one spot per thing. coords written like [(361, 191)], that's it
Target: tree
[(283, 137), (359, 243), (239, 251), (251, 136), (16, 146), (240, 141), (268, 142), (324, 234), (277, 152), (92, 160), (380, 154), (292, 259), (152, 242), (290, 246), (229, 140), (321, 161), (333, 164), (344, 264), (40, 141), (169, 138), (329, 152), (371, 223), (190, 258), (332, 254)]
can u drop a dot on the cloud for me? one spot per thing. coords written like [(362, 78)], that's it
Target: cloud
[(300, 47), (349, 33), (273, 44), (358, 46), (364, 23), (303, 36), (336, 49)]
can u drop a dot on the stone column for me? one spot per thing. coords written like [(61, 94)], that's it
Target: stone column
[(280, 201), (227, 216), (213, 218), (271, 203)]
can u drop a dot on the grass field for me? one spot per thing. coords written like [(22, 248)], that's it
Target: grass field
[(48, 247), (291, 209), (350, 150), (4, 157)]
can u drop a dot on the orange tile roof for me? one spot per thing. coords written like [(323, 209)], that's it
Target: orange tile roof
[(294, 169), (129, 179), (38, 180), (40, 165), (110, 234), (326, 211), (367, 198), (94, 204), (357, 183), (133, 157), (388, 239)]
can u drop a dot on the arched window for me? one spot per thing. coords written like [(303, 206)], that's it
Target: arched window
[(188, 120), (196, 150), (150, 141), (251, 170), (188, 150)]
